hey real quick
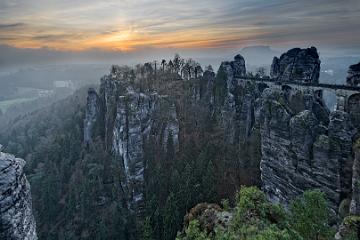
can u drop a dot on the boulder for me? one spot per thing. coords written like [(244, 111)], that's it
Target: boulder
[(16, 217)]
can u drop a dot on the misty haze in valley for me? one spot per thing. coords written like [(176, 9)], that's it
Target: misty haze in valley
[(33, 78)]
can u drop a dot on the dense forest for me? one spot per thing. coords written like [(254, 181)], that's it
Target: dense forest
[(76, 189)]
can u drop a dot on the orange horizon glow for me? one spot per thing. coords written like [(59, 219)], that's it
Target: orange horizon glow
[(137, 24), (131, 40)]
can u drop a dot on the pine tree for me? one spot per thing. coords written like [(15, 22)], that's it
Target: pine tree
[(147, 230), (310, 216), (209, 183), (171, 218)]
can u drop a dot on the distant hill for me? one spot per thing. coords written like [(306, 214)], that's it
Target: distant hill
[(258, 55)]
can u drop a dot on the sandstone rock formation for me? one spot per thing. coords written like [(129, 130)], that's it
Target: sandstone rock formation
[(136, 119), (232, 70), (299, 151), (299, 65), (353, 77), (237, 111), (238, 66), (302, 144), (355, 201), (128, 117), (353, 108), (92, 108), (16, 218), (348, 223)]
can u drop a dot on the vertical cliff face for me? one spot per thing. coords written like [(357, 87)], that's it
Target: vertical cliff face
[(92, 111), (300, 152), (302, 65), (237, 110), (353, 108), (110, 88), (304, 146), (16, 218), (137, 117), (128, 117), (355, 201)]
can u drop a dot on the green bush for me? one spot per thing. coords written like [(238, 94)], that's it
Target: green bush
[(255, 218), (310, 216)]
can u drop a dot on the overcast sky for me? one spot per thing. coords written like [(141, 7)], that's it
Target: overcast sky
[(134, 25)]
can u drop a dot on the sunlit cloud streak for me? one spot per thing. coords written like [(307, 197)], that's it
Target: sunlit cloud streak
[(131, 25)]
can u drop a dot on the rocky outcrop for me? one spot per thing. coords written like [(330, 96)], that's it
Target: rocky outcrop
[(211, 217), (238, 66), (110, 88), (128, 118), (351, 220), (275, 68), (303, 146), (355, 201), (137, 117), (353, 78), (91, 113), (297, 65), (300, 150), (237, 113), (16, 218), (232, 70)]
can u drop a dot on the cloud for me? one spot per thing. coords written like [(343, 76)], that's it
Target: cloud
[(135, 24), (11, 25)]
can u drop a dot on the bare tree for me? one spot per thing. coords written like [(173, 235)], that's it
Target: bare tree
[(198, 70), (163, 63), (171, 66), (178, 63)]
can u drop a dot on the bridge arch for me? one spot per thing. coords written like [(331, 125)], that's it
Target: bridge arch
[(353, 108)]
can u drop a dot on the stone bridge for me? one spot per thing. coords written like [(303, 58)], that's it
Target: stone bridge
[(347, 97)]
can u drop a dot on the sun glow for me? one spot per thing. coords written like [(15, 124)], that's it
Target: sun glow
[(137, 24)]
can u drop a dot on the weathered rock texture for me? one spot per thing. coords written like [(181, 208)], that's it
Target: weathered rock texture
[(16, 218), (348, 223), (137, 117), (92, 108), (300, 65), (301, 144), (355, 201), (127, 118), (237, 111), (300, 152), (353, 108), (353, 77)]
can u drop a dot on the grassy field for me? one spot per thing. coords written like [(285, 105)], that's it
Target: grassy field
[(4, 105)]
